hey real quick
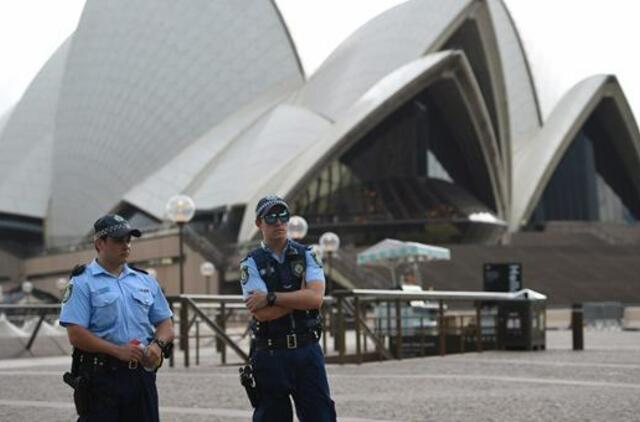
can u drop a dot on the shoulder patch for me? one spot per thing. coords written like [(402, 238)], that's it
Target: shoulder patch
[(315, 257), (140, 270), (244, 274), (68, 291), (77, 270)]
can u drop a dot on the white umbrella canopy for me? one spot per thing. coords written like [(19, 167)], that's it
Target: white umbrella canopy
[(391, 252)]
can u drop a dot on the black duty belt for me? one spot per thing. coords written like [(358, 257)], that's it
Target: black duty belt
[(289, 341), (100, 362)]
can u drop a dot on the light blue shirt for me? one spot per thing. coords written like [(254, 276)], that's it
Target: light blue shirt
[(116, 309), (251, 280)]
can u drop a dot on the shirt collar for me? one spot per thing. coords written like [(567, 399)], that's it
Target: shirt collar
[(96, 269)]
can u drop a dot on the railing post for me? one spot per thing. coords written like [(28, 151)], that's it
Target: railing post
[(356, 304), (171, 361), (223, 325), (398, 329), (577, 327), (441, 332), (341, 337), (184, 330), (461, 334), (324, 328), (363, 315), (197, 342), (35, 331), (478, 327)]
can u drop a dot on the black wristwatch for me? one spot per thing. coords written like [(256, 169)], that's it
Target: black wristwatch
[(165, 346), (271, 298)]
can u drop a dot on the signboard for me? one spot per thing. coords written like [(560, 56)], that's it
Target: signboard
[(502, 277)]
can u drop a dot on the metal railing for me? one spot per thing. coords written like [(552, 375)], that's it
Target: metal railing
[(354, 318), (349, 312), (40, 310)]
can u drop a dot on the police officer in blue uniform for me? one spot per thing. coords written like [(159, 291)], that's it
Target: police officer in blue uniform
[(283, 286), (120, 326)]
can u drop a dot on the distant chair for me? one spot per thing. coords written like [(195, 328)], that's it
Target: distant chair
[(631, 319)]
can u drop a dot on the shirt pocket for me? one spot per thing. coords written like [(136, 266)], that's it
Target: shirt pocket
[(105, 309), (142, 302)]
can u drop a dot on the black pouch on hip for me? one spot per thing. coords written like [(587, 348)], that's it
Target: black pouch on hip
[(248, 381), (81, 392)]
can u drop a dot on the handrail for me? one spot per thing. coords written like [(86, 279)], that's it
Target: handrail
[(525, 294), (38, 306)]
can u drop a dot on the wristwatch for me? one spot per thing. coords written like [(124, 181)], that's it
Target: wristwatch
[(165, 346), (271, 298)]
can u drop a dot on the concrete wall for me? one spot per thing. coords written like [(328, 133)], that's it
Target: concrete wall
[(159, 252), (10, 270)]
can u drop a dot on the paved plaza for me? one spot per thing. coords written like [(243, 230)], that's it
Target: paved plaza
[(601, 383)]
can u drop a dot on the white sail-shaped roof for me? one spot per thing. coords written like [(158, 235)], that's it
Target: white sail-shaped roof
[(150, 99), (369, 110), (189, 169), (26, 143), (145, 79), (387, 42), (536, 161)]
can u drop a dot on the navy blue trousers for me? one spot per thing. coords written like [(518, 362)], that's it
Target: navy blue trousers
[(299, 373), (130, 395)]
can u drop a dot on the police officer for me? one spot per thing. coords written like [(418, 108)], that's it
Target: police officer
[(119, 323), (283, 286)]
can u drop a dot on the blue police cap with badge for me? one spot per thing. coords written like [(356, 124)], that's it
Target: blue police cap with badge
[(113, 225), (265, 204)]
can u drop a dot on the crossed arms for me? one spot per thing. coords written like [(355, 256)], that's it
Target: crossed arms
[(308, 297)]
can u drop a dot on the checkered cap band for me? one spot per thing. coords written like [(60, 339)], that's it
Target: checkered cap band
[(108, 230), (268, 202)]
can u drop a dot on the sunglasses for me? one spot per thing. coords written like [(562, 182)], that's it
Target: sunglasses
[(272, 218)]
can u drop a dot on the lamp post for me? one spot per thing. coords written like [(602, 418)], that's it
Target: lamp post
[(27, 288), (207, 269), (297, 228), (330, 243), (180, 210), (61, 284)]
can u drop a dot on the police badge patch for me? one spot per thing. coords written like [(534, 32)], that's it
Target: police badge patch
[(244, 274), (68, 291), (297, 267)]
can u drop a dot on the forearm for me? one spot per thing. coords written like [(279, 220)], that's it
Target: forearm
[(270, 313), (304, 299), (164, 331), (83, 339)]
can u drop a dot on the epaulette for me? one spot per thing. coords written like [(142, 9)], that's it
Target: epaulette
[(140, 270), (77, 270)]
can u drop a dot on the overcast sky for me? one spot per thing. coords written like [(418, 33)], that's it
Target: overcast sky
[(565, 40)]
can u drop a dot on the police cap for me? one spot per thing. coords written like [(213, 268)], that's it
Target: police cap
[(268, 202), (113, 225)]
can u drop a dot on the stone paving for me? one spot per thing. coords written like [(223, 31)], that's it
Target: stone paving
[(601, 383)]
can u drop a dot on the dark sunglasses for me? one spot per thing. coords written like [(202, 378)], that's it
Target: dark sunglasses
[(271, 219)]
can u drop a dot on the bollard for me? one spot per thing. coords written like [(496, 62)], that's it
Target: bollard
[(577, 326)]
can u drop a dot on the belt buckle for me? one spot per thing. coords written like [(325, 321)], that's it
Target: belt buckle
[(292, 341), (133, 364)]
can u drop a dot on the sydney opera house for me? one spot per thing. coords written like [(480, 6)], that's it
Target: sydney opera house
[(422, 125)]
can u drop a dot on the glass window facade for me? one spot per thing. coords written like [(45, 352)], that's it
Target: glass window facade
[(408, 178), (589, 184)]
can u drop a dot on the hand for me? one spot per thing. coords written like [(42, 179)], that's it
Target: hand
[(256, 300), (152, 356), (130, 352)]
